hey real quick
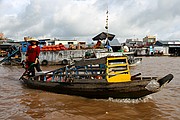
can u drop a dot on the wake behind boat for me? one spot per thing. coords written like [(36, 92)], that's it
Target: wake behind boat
[(97, 78)]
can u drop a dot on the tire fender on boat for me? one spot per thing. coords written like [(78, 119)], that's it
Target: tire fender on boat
[(44, 62), (65, 62)]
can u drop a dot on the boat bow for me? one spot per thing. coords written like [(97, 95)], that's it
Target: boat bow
[(155, 85)]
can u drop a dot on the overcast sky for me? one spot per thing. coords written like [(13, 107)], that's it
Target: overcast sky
[(83, 19)]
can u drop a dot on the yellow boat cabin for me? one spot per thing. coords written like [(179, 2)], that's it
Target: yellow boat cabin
[(117, 69)]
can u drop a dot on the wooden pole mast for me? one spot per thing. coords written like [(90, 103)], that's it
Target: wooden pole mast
[(107, 27)]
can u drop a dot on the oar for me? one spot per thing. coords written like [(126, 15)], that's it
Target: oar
[(26, 71)]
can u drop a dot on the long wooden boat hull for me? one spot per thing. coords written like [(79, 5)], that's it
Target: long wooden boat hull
[(100, 89)]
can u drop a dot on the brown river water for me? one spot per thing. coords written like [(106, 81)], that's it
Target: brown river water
[(20, 103)]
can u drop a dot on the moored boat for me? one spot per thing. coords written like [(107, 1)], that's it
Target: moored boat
[(133, 61), (97, 78)]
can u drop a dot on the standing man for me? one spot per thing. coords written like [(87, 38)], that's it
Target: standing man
[(32, 57)]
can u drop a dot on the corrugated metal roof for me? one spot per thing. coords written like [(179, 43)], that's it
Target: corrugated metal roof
[(169, 42)]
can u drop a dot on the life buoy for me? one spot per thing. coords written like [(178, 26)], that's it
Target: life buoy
[(44, 62)]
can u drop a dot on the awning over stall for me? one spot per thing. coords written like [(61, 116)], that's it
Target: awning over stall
[(103, 36)]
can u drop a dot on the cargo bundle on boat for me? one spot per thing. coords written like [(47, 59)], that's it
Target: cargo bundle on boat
[(97, 78)]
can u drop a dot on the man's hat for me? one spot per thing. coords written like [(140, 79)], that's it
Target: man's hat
[(32, 40)]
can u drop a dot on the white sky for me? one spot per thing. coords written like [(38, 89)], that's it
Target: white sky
[(83, 19)]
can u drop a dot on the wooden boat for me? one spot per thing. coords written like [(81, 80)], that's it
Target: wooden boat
[(106, 77), (134, 61), (131, 59)]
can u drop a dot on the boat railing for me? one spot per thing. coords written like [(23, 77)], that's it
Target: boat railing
[(114, 69), (69, 73)]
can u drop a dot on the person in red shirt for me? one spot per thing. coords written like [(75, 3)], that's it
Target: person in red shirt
[(32, 57)]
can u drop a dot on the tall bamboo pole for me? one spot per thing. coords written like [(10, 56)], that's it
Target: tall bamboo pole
[(107, 27)]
